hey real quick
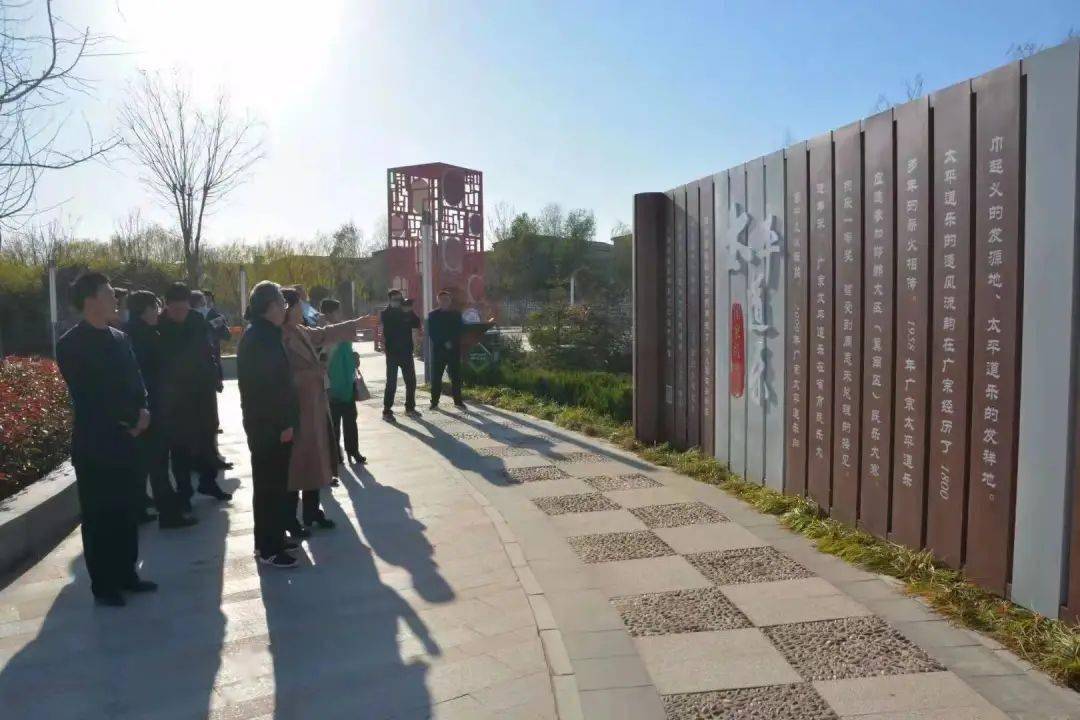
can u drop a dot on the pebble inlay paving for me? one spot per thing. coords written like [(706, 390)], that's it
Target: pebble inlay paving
[(632, 545), (582, 503), (747, 565), (504, 452), (579, 457), (849, 648), (634, 481), (677, 515), (771, 702), (535, 474), (469, 435), (679, 611)]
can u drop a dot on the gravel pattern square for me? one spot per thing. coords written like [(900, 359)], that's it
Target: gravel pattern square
[(469, 435), (504, 452), (771, 702), (632, 545), (679, 611), (849, 648), (579, 457), (677, 515), (747, 565), (634, 481), (581, 503), (535, 474)]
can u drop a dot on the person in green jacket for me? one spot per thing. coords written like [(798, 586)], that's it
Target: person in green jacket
[(342, 372)]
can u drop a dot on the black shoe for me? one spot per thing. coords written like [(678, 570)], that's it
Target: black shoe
[(324, 523), (460, 405), (141, 586), (388, 416), (184, 503), (281, 560), (291, 545), (145, 517), (215, 492), (110, 599), (299, 531), (176, 521), (412, 412), (433, 405), (357, 459)]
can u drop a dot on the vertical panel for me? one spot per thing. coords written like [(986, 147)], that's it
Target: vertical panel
[(737, 273), (723, 315), (693, 316), (879, 271), (1047, 410), (819, 461), (679, 436), (758, 239), (668, 420), (949, 386), (798, 388), (648, 239), (912, 321), (708, 319), (995, 341), (775, 318), (848, 373)]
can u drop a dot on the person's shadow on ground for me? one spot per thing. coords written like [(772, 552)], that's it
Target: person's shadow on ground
[(334, 633), (159, 655)]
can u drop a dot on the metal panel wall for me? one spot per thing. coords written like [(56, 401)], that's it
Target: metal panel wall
[(737, 274), (879, 213), (819, 462), (847, 376), (693, 317), (648, 296), (679, 437), (758, 238), (912, 320), (776, 319), (668, 420), (798, 389), (721, 434), (708, 317), (998, 264), (950, 383), (1048, 379)]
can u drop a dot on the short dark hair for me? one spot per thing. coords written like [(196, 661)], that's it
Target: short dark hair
[(86, 285), (329, 305), (120, 293), (291, 297), (446, 293), (394, 292), (178, 292), (197, 299), (264, 293), (209, 294), (138, 301)]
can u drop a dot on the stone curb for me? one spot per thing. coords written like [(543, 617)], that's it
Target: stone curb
[(37, 517)]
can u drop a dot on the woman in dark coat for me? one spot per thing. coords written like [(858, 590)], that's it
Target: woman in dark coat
[(271, 415)]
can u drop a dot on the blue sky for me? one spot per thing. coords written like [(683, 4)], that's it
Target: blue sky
[(580, 103)]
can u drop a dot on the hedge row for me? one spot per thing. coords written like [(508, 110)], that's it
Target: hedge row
[(608, 393), (35, 421)]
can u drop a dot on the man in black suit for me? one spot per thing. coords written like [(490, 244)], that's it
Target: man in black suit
[(398, 323), (111, 412)]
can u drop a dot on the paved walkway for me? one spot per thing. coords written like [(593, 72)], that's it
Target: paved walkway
[(488, 565)]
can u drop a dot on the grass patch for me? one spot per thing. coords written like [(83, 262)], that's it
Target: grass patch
[(1049, 644), (609, 394)]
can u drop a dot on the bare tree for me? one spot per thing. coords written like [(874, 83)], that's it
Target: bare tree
[(136, 241), (500, 218), (192, 157), (39, 59)]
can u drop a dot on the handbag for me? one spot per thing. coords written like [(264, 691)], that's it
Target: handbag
[(362, 392)]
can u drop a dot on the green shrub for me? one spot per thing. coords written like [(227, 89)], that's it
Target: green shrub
[(579, 337), (603, 392)]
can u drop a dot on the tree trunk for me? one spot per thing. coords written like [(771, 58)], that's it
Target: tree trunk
[(191, 262)]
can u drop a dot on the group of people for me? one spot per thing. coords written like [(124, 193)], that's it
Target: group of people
[(144, 380)]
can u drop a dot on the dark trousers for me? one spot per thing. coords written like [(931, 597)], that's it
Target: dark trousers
[(184, 462), (408, 372), (269, 480), (108, 497), (442, 359), (154, 461), (310, 511), (343, 415)]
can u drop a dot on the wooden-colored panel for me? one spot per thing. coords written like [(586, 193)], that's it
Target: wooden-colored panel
[(798, 388), (722, 301), (776, 319), (758, 239), (819, 471), (995, 338), (693, 316), (648, 296), (912, 321), (679, 437), (738, 323), (708, 317), (847, 143), (667, 424)]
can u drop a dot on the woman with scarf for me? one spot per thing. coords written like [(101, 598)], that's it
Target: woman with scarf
[(314, 456)]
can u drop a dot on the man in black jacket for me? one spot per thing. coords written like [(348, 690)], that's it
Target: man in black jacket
[(109, 398), (444, 327), (398, 324), (188, 400), (271, 413), (143, 310)]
